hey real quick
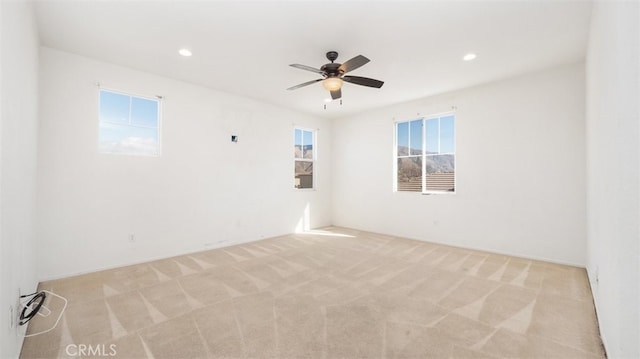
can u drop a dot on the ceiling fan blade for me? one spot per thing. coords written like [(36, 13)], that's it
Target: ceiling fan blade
[(304, 84), (336, 94), (353, 64), (364, 81), (308, 68)]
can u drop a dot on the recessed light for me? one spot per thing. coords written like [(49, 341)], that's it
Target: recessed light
[(469, 57), (185, 52)]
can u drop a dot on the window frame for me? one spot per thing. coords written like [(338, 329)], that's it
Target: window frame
[(155, 98), (424, 153), (312, 160)]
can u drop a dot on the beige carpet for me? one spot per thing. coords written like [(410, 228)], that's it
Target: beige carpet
[(335, 293)]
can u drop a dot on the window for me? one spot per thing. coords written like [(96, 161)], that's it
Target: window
[(425, 154), (129, 124), (304, 156)]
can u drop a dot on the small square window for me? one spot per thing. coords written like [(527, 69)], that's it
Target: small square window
[(128, 124)]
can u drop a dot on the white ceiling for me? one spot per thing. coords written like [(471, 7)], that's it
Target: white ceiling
[(245, 48)]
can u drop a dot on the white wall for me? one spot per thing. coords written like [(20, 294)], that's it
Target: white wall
[(18, 143), (613, 172), (520, 169), (203, 192)]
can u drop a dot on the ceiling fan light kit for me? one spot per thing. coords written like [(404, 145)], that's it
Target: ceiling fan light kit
[(332, 83), (333, 74)]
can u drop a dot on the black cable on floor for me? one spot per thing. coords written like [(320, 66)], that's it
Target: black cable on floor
[(38, 297)]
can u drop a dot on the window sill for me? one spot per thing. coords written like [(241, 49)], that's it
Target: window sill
[(428, 193), (437, 193)]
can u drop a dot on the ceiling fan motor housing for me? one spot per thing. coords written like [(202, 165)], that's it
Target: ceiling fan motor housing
[(332, 69)]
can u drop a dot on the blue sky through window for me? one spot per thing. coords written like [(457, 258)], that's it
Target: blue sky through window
[(415, 141), (144, 112), (439, 132), (447, 140), (433, 135), (114, 107)]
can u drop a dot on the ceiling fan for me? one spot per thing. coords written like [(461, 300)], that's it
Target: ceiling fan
[(333, 74)]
